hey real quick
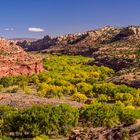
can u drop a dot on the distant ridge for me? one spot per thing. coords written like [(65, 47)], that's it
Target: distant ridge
[(23, 39)]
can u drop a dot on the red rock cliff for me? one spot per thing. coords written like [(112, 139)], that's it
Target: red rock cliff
[(15, 61)]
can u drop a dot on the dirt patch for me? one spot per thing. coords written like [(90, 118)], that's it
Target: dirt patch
[(23, 100)]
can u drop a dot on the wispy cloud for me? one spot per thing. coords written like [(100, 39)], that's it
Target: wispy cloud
[(34, 29), (9, 29)]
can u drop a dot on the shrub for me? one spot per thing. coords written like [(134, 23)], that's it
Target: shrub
[(41, 137), (34, 79), (27, 90), (103, 98), (53, 91), (5, 109), (50, 91), (128, 116), (5, 138), (104, 88), (7, 81), (37, 120), (126, 98), (97, 115), (23, 85), (84, 88), (125, 134), (79, 97), (12, 90), (1, 88)]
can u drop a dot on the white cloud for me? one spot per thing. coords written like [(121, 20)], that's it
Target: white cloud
[(9, 29), (33, 29)]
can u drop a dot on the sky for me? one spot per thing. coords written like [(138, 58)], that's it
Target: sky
[(37, 18)]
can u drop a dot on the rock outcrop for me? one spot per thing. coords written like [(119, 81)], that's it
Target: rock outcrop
[(128, 32), (118, 132), (15, 61), (130, 77)]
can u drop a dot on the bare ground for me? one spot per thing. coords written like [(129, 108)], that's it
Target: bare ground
[(23, 100)]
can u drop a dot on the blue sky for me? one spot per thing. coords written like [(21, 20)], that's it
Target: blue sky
[(57, 17)]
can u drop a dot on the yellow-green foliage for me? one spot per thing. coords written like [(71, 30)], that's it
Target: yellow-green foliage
[(41, 137), (85, 88), (59, 120), (37, 120), (51, 91), (79, 97), (67, 75)]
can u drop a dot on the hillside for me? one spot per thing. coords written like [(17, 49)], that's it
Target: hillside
[(117, 48), (15, 61)]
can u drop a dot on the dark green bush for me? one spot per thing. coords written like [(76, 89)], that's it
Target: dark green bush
[(129, 116), (59, 120), (5, 109), (37, 120), (12, 80), (5, 138), (7, 81), (98, 115)]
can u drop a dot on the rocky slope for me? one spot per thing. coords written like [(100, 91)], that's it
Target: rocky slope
[(119, 132), (118, 48), (15, 61)]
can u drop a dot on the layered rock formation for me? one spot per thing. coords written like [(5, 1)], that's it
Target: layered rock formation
[(15, 61), (70, 43), (84, 42)]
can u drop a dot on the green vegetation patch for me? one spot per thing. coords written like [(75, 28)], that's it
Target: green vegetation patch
[(55, 121), (70, 77)]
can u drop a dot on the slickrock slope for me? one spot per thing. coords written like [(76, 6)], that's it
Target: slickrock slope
[(15, 61)]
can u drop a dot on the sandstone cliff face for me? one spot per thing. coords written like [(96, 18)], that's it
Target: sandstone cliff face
[(131, 30), (15, 61)]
